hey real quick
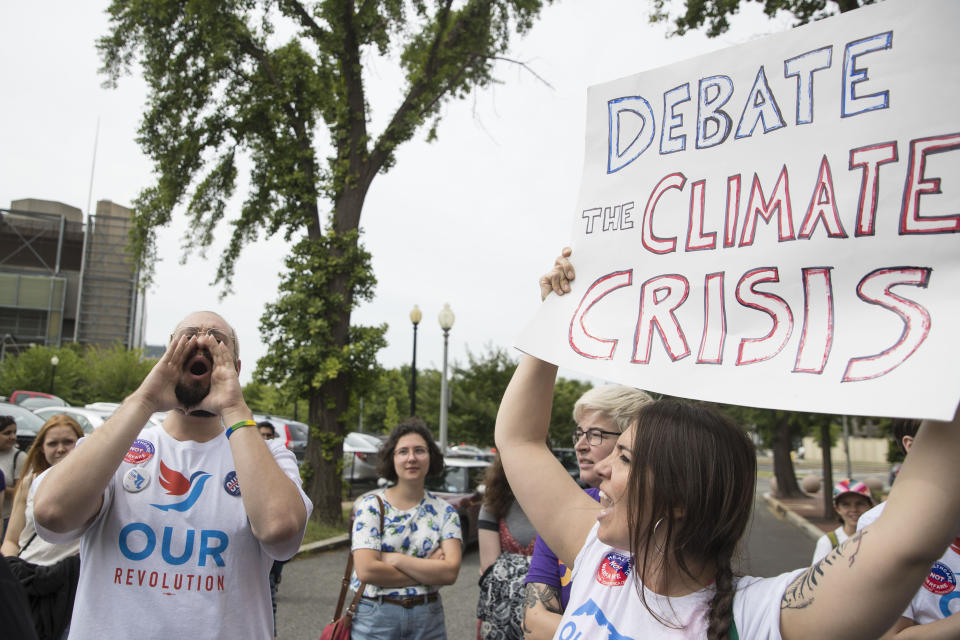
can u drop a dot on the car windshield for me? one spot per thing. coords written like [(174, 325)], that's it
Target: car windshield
[(27, 421), (362, 442), (81, 419), (458, 480), (39, 401)]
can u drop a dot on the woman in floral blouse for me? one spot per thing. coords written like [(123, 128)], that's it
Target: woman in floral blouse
[(418, 550)]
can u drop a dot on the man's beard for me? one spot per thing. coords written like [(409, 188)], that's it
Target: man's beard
[(191, 395)]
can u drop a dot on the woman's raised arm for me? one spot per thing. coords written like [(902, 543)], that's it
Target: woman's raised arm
[(560, 511), (858, 591)]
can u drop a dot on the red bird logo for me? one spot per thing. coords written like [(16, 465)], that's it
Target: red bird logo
[(174, 482), (177, 484)]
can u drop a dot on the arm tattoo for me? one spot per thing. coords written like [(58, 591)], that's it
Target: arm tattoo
[(856, 538), (535, 593), (800, 593)]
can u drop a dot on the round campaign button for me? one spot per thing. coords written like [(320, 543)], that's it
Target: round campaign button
[(941, 579), (614, 570), (135, 480), (231, 485), (140, 451)]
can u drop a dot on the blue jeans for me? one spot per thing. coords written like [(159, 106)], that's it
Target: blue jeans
[(384, 621)]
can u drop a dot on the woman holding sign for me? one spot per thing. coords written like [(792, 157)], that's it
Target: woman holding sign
[(654, 558)]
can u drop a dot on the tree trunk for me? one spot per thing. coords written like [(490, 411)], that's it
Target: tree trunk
[(827, 470), (329, 403), (324, 483), (787, 486)]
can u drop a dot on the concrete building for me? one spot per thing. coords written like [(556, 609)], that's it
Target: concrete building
[(64, 279)]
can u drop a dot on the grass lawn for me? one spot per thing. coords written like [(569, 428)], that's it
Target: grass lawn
[(316, 531)]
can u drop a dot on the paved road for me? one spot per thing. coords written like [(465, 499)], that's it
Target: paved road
[(308, 592), (772, 545)]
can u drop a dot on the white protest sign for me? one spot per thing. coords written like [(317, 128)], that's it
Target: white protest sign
[(776, 224)]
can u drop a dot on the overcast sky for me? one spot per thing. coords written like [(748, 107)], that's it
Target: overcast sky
[(471, 219)]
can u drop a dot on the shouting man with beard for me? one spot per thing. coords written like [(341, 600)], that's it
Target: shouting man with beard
[(179, 523)]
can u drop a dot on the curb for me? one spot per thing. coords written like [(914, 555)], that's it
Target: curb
[(342, 540), (777, 507)]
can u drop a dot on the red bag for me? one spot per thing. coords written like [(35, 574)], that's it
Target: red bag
[(339, 627)]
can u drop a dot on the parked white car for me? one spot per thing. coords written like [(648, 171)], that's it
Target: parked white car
[(107, 409), (360, 452), (86, 418)]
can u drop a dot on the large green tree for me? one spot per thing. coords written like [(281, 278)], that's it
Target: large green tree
[(283, 83), (31, 370), (84, 374), (778, 430), (112, 373), (715, 14)]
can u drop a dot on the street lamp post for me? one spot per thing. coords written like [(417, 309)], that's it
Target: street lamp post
[(54, 361), (446, 322), (3, 345), (415, 317)]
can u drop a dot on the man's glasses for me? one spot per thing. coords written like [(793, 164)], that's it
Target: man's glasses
[(594, 436), (191, 332)]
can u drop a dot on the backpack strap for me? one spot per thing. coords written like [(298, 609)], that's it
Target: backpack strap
[(834, 542), (20, 553), (16, 456)]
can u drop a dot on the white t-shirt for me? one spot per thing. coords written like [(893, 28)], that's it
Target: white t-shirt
[(870, 517), (939, 597), (170, 554), (417, 532), (824, 546), (604, 602), (34, 548)]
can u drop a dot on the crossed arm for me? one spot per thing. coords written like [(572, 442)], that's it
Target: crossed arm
[(393, 569)]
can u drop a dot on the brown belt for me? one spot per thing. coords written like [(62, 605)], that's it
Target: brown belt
[(408, 602)]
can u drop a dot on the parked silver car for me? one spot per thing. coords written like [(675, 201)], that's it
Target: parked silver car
[(86, 418), (360, 452)]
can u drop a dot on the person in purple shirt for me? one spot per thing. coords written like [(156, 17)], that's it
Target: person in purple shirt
[(601, 414)]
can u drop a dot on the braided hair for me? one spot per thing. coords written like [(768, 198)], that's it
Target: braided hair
[(721, 605)]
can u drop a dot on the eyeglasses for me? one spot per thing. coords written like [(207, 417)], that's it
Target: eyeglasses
[(594, 436), (419, 452), (191, 332)]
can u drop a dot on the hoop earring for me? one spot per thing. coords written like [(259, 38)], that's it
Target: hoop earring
[(655, 545)]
